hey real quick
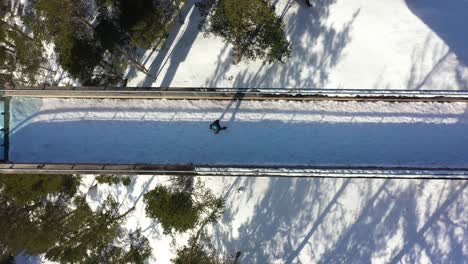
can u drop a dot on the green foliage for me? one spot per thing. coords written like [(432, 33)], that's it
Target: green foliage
[(26, 188), (20, 54), (250, 25), (199, 248), (113, 179), (138, 23), (89, 236), (211, 206), (183, 183), (7, 259), (175, 210), (181, 209), (147, 21), (78, 56), (138, 251), (84, 231), (44, 214), (93, 47), (28, 204), (67, 23), (195, 254)]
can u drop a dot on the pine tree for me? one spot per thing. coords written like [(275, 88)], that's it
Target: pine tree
[(67, 24), (87, 235), (46, 214), (174, 209), (195, 253), (181, 209), (20, 54), (25, 201), (147, 21), (125, 25), (251, 26), (137, 250), (113, 179), (25, 189)]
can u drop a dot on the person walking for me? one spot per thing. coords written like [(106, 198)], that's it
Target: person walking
[(216, 126)]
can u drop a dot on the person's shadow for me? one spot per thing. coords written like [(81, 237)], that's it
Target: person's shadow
[(235, 103)]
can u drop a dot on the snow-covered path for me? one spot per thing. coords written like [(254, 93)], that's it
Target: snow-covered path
[(360, 44), (259, 133)]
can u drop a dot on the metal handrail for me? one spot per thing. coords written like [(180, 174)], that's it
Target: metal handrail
[(249, 171), (235, 90)]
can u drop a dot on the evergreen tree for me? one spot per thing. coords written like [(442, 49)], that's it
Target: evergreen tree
[(113, 179), (147, 21), (251, 26), (138, 250), (180, 210), (20, 54), (125, 25), (45, 214), (174, 209), (195, 253), (25, 189), (94, 45), (143, 23), (183, 183), (200, 248), (25, 201), (7, 260), (67, 24), (87, 235)]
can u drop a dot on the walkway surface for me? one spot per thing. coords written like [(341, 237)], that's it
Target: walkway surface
[(259, 132)]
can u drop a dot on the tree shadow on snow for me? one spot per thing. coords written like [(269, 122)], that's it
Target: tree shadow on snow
[(316, 49), (320, 221), (447, 20), (440, 59), (161, 136), (176, 55)]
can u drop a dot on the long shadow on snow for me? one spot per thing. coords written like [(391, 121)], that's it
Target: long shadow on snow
[(438, 56), (316, 48), (447, 20), (386, 215), (229, 110), (251, 142), (308, 221), (179, 52)]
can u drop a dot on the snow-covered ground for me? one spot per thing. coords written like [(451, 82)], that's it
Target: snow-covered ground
[(361, 44), (293, 220), (259, 132)]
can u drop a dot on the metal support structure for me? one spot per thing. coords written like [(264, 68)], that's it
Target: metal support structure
[(187, 93), (239, 171), (180, 93)]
